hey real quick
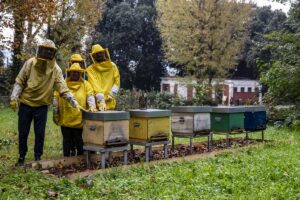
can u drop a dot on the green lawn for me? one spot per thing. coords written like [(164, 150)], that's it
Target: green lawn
[(269, 171)]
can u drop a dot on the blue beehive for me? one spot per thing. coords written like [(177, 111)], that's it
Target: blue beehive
[(255, 118)]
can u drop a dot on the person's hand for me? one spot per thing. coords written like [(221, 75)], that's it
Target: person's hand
[(76, 105), (14, 105), (102, 106), (93, 109), (109, 97)]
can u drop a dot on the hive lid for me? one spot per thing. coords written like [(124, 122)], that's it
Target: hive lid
[(106, 115), (191, 109), (255, 108), (228, 109), (149, 113)]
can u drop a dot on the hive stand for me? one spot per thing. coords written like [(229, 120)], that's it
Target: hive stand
[(227, 134), (148, 147), (262, 134), (103, 150), (192, 136)]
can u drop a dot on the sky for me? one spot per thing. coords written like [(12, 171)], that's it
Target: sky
[(274, 5), (284, 7)]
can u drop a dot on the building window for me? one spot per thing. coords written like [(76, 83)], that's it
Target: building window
[(249, 89), (166, 87), (242, 89), (235, 89)]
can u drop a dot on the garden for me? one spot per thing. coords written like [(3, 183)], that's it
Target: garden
[(269, 170)]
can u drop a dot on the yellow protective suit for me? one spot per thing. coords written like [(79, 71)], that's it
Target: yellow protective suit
[(104, 78), (67, 115), (38, 78), (76, 58)]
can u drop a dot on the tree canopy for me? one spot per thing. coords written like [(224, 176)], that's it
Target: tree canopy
[(281, 73), (128, 30), (67, 21), (264, 21), (203, 35)]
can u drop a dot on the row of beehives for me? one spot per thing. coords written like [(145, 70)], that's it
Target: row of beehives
[(116, 128)]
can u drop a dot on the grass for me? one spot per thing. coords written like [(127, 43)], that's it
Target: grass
[(261, 171)]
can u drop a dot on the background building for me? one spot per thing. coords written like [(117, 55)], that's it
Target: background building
[(226, 91)]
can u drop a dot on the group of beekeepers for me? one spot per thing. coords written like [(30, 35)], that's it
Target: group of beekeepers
[(40, 82)]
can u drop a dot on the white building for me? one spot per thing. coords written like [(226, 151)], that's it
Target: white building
[(232, 90), (178, 86)]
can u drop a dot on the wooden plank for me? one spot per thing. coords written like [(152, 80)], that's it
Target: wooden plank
[(182, 122), (93, 132), (201, 122), (138, 128), (159, 127), (116, 129)]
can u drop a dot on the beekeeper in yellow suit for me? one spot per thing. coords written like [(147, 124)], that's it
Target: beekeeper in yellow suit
[(69, 118), (77, 58), (104, 77), (33, 90)]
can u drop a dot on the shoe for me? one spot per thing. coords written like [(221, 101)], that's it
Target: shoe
[(37, 158), (20, 162)]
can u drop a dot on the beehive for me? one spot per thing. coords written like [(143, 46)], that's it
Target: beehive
[(191, 119), (255, 118), (227, 118), (109, 128), (149, 125)]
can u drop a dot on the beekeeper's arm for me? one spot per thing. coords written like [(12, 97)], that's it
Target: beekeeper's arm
[(116, 86), (90, 98), (21, 81), (55, 107)]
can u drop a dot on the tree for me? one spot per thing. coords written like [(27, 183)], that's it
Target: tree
[(264, 21), (128, 30), (4, 85), (67, 22), (281, 73), (72, 22), (15, 14), (206, 36)]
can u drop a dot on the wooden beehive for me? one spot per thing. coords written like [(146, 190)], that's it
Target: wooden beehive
[(191, 119), (149, 125), (227, 118), (255, 118), (109, 128)]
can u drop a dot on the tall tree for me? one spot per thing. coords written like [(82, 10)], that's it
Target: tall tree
[(206, 36), (128, 30), (4, 85), (264, 21), (35, 13), (281, 73), (67, 22)]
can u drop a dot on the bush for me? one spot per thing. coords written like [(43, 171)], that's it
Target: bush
[(284, 116), (137, 99)]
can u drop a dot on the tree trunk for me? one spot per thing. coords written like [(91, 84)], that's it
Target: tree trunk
[(17, 44)]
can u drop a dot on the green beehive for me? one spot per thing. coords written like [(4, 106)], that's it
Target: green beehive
[(227, 118)]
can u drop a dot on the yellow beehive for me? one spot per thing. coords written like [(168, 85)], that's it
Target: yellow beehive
[(149, 125)]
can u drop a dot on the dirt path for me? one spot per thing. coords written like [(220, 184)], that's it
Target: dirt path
[(192, 157)]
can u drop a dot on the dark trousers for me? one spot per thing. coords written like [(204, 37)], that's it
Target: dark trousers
[(39, 117), (72, 141)]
